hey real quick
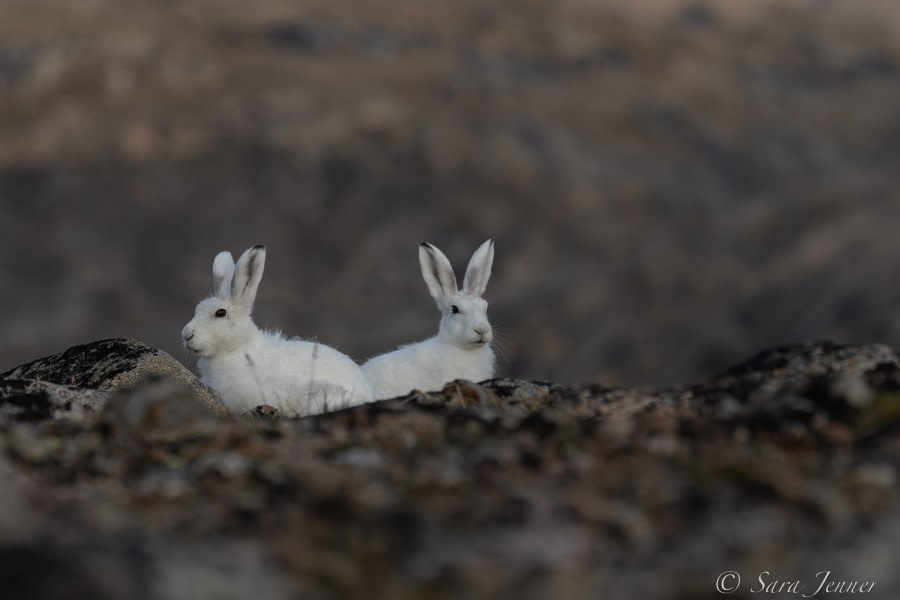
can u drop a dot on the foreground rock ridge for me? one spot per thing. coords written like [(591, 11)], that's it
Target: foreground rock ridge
[(123, 476)]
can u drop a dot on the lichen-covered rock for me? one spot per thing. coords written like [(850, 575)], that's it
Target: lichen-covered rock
[(803, 361), (114, 365), (817, 385), (500, 489), (31, 400)]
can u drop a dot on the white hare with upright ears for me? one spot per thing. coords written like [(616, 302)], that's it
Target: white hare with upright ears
[(248, 367), (462, 347)]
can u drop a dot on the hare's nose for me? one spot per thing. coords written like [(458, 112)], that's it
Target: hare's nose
[(481, 330), (189, 338)]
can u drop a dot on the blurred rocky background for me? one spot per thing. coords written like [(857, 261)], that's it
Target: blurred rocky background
[(672, 184)]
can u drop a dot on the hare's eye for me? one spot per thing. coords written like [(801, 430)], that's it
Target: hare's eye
[(220, 313), (454, 309)]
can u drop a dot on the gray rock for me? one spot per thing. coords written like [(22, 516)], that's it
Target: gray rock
[(31, 400), (799, 361), (814, 383), (156, 404), (114, 365)]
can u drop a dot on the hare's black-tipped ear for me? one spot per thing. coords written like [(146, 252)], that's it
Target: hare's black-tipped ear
[(479, 270), (437, 272), (223, 271), (247, 274)]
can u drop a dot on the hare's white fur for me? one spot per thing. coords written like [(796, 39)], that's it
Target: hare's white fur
[(248, 367), (462, 347)]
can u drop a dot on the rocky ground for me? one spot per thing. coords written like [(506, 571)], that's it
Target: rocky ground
[(123, 477)]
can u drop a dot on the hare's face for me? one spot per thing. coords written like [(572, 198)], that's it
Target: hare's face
[(218, 326), (464, 321)]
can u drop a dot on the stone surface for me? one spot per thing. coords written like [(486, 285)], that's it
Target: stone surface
[(787, 464), (813, 359), (31, 400), (156, 405), (114, 365)]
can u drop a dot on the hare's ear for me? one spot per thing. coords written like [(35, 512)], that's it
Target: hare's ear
[(223, 271), (479, 270), (247, 275), (438, 272)]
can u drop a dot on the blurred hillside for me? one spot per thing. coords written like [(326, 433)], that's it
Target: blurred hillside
[(671, 184)]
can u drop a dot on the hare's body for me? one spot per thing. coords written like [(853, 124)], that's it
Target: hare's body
[(297, 377), (462, 347), (427, 366), (248, 367)]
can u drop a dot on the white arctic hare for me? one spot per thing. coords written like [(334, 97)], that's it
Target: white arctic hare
[(462, 347), (248, 367)]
